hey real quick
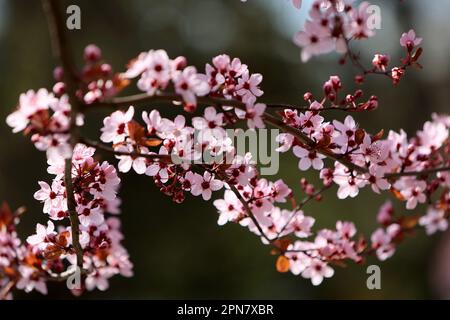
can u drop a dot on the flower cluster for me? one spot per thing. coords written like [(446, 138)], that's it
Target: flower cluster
[(156, 71), (46, 119), (380, 62), (261, 216), (97, 81), (50, 251), (376, 161), (179, 157), (330, 26)]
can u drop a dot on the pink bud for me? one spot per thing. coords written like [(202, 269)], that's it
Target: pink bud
[(92, 53), (58, 73), (106, 69), (359, 79), (59, 88), (180, 63), (307, 96)]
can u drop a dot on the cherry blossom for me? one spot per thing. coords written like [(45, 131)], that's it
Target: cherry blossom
[(410, 40), (248, 86), (308, 159), (43, 234), (434, 220), (205, 185), (115, 127), (253, 114), (316, 271), (190, 84)]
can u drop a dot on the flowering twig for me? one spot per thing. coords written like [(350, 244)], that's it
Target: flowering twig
[(117, 103), (62, 52), (304, 202), (103, 147)]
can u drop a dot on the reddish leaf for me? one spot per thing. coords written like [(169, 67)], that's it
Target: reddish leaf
[(359, 136), (152, 142), (282, 264), (53, 252), (6, 215)]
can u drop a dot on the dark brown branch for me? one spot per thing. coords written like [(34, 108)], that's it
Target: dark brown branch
[(117, 103), (249, 212), (103, 147), (301, 205), (62, 52), (268, 118), (416, 173), (304, 109)]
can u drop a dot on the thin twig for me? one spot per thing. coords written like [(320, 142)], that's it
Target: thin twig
[(300, 207), (249, 212), (416, 173), (103, 147)]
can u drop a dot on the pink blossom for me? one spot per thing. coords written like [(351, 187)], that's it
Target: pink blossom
[(396, 74), (253, 114), (205, 185), (153, 120), (385, 213), (434, 220), (190, 85), (29, 280), (413, 191), (314, 40), (92, 53), (285, 140), (409, 39), (139, 164), (382, 242), (317, 270), (157, 71), (159, 169), (380, 61), (308, 158), (248, 86), (376, 179), (210, 120), (43, 234), (360, 28), (115, 127), (345, 136), (374, 152), (348, 185), (229, 208)]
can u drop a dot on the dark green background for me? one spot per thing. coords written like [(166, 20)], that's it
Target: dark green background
[(178, 250)]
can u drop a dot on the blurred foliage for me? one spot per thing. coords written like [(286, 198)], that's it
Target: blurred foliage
[(178, 250)]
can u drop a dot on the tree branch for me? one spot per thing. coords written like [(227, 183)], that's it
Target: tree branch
[(103, 147), (118, 103), (417, 173), (61, 51)]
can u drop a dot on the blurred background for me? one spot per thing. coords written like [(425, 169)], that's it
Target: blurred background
[(178, 250)]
